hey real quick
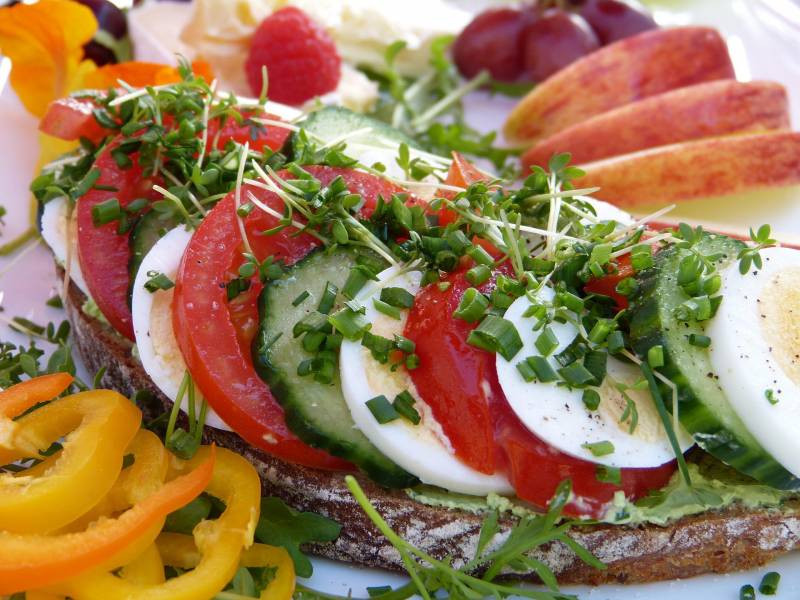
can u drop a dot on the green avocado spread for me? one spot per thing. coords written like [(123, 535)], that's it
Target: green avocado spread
[(714, 487)]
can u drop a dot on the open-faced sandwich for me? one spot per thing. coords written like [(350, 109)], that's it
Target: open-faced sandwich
[(320, 295)]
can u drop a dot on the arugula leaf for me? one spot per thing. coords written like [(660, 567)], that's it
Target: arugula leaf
[(283, 526)]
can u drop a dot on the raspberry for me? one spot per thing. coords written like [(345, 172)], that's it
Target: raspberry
[(300, 56)]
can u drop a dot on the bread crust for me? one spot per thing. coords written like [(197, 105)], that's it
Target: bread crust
[(714, 542)]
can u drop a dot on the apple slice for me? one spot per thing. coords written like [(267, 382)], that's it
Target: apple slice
[(631, 69), (704, 168), (704, 110)]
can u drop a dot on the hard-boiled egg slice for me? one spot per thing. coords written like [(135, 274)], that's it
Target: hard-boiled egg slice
[(755, 350), (56, 224), (557, 415), (152, 321), (422, 449)]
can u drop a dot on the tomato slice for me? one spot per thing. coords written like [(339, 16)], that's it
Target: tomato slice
[(607, 285), (460, 383), (103, 253), (214, 335), (451, 378)]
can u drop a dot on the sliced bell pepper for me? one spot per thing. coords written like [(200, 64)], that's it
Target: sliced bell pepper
[(179, 550), (145, 569), (220, 542), (29, 561), (18, 398), (98, 426)]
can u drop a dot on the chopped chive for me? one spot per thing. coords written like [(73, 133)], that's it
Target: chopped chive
[(501, 300), (378, 590), (770, 396), (313, 321), (472, 306), (333, 341), (540, 266), (591, 399), (478, 274), (135, 206), (328, 298), (616, 342), (157, 281), (235, 287), (546, 342), (404, 344), (769, 584), (496, 334), (443, 286), (245, 209), (356, 280), (605, 474), (404, 405), (601, 330), (747, 592), (598, 449), (398, 297), (571, 301), (540, 365), (379, 346), (349, 323), (596, 362), (655, 356), (313, 340), (106, 212), (701, 341), (576, 374), (300, 298), (382, 409), (386, 309), (626, 287), (412, 362), (480, 256), (526, 371), (458, 241)]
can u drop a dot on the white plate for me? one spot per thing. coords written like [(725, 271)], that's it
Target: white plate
[(763, 41)]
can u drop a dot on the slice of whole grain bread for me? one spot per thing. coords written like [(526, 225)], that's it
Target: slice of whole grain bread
[(718, 542)]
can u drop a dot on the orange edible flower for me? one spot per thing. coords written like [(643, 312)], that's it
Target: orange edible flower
[(45, 44), (140, 74)]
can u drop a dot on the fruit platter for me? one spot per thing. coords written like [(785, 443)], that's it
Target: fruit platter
[(334, 299)]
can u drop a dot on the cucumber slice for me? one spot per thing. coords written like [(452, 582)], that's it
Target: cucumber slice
[(703, 407), (332, 122), (148, 230), (317, 413)]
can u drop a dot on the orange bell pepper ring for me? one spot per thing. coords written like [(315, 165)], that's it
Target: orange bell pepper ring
[(29, 561), (20, 397), (179, 550), (98, 426), (220, 542)]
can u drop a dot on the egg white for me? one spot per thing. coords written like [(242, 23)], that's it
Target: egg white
[(422, 450), (755, 347), (152, 321), (56, 222), (557, 415)]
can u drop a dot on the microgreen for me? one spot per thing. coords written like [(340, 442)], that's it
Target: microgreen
[(750, 256)]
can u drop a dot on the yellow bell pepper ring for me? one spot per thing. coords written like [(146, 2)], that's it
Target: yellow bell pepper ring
[(145, 569), (98, 426), (220, 542), (179, 550), (29, 561)]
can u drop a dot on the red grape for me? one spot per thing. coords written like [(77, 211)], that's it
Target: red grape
[(492, 41), (613, 20), (554, 40)]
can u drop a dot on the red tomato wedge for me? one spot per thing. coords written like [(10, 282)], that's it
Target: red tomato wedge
[(462, 173), (103, 253), (607, 285), (72, 119), (214, 335), (455, 375)]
